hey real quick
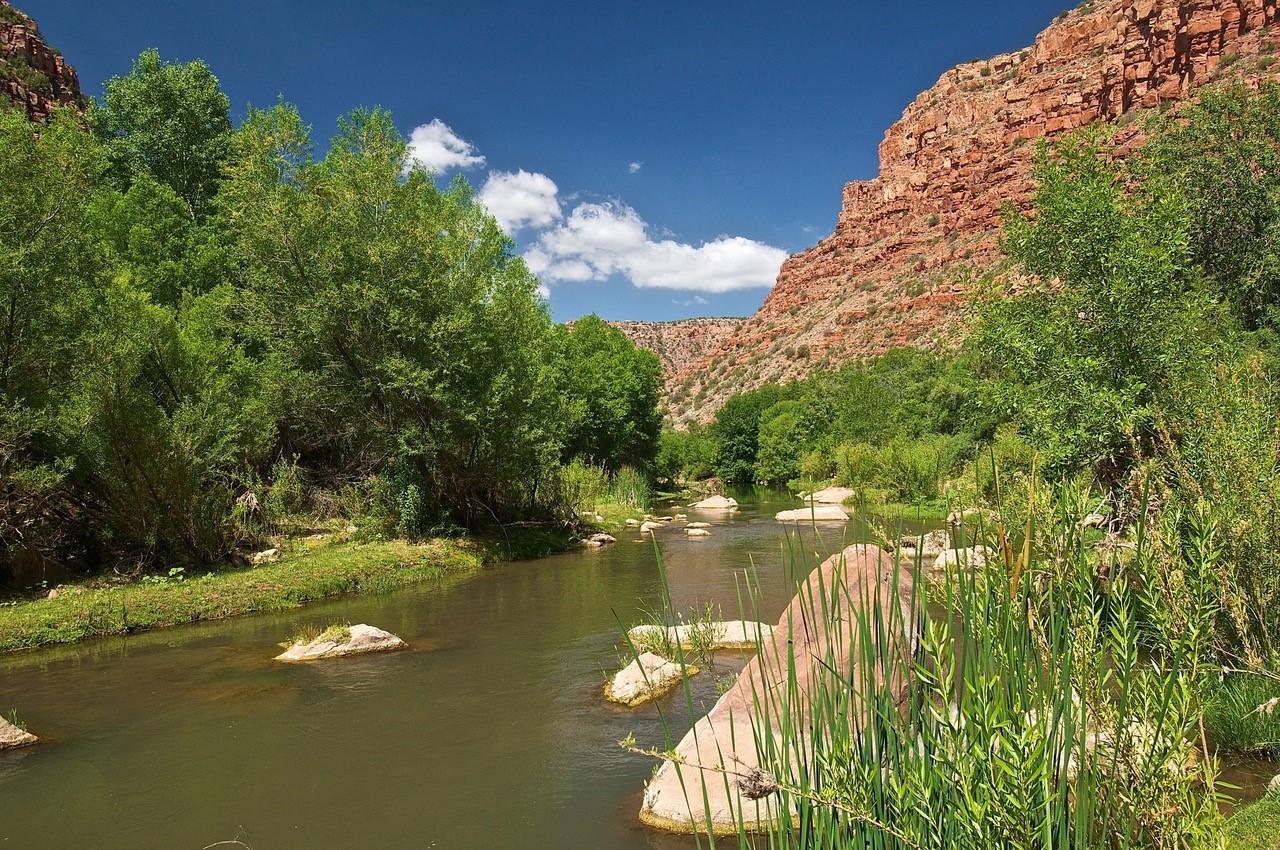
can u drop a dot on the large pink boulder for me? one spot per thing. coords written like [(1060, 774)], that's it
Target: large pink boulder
[(694, 792)]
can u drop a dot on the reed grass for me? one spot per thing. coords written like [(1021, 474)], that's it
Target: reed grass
[(1004, 708)]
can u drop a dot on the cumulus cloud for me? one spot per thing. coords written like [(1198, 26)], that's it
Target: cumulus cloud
[(634, 167), (439, 149), (543, 292), (521, 199), (600, 240)]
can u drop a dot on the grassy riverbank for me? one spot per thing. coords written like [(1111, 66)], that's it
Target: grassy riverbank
[(1256, 827), (304, 576)]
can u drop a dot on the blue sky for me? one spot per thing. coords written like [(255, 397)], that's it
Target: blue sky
[(653, 160)]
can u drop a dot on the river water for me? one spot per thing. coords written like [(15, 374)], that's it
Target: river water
[(491, 732)]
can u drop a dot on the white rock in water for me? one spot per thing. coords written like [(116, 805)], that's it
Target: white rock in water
[(650, 526), (648, 677), (360, 639), (11, 736), (927, 546), (830, 496), (697, 532), (819, 513), (716, 503), (725, 634), (633, 523), (595, 541), (698, 525), (974, 556)]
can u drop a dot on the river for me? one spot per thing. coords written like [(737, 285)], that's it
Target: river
[(491, 732)]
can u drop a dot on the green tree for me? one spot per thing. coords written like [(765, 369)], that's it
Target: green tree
[(411, 338), (783, 437), (169, 121), (1116, 320), (50, 275), (610, 390), (736, 431)]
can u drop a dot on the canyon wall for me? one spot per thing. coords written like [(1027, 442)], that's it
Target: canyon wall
[(910, 245), (33, 76), (682, 344)]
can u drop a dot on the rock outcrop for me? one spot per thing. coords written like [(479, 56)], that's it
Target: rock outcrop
[(338, 642), (680, 344), (33, 75), (12, 736), (647, 678), (686, 794), (910, 244), (718, 634)]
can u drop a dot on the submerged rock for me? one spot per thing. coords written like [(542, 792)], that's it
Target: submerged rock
[(689, 796), (13, 736), (697, 532), (716, 503), (722, 634), (650, 526), (647, 678), (341, 641), (819, 513)]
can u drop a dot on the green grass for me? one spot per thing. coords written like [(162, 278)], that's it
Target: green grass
[(296, 580), (1234, 717), (1256, 827)]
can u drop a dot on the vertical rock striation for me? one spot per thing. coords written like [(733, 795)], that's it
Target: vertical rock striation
[(909, 244)]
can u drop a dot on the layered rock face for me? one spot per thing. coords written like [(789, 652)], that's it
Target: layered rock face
[(910, 245), (680, 345), (33, 75)]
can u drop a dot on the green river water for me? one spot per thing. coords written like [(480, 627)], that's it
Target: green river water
[(491, 732)]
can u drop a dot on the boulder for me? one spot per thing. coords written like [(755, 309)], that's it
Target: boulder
[(697, 532), (338, 642), (633, 523), (650, 526), (974, 556), (1273, 787), (725, 634), (647, 678), (716, 503), (12, 736), (595, 541), (266, 556), (686, 795), (927, 546), (681, 517), (820, 513), (698, 525), (830, 496)]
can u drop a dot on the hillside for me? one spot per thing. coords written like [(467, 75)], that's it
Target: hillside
[(682, 344), (33, 76), (911, 244)]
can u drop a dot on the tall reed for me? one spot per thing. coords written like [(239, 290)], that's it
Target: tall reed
[(1004, 707)]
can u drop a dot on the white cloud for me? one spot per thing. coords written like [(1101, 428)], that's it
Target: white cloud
[(543, 292), (634, 167), (521, 199), (600, 240), (438, 148)]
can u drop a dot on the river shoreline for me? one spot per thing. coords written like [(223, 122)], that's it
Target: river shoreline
[(307, 574)]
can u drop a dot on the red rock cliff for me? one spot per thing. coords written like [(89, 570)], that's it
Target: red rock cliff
[(33, 75), (908, 245)]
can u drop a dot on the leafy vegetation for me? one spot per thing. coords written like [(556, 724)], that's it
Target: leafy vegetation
[(209, 335)]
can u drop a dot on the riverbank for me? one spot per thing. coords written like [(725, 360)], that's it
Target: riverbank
[(1255, 827), (307, 574)]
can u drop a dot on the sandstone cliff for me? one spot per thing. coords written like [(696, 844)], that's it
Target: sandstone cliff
[(683, 344), (909, 245), (33, 75)]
